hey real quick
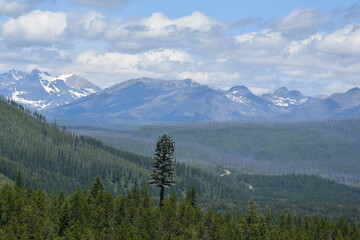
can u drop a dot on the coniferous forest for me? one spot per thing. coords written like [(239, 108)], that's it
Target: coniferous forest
[(97, 214), (47, 191)]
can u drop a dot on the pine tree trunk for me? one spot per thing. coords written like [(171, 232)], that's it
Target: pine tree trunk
[(162, 188)]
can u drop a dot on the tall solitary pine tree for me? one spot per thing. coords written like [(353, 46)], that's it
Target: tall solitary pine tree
[(163, 170)]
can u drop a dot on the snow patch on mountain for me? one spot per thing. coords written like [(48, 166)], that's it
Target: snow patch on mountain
[(227, 172), (239, 99), (90, 90), (286, 102), (15, 77), (45, 76), (40, 104), (77, 94), (39, 90), (48, 86), (65, 77)]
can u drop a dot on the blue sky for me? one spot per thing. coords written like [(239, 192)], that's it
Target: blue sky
[(312, 46)]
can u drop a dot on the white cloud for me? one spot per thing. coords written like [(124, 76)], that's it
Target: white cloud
[(89, 25), (125, 60), (300, 23), (156, 57), (335, 87), (151, 63), (297, 72), (260, 91), (39, 55), (297, 47), (325, 75), (196, 46), (345, 41), (112, 4), (12, 8), (159, 31), (265, 42), (202, 77), (35, 28), (197, 21)]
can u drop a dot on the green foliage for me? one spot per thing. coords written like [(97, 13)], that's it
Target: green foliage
[(29, 214), (191, 197), (163, 170), (252, 222), (163, 166), (19, 181), (52, 159)]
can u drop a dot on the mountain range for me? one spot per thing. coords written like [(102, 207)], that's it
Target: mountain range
[(39, 90), (73, 99), (156, 100), (148, 100)]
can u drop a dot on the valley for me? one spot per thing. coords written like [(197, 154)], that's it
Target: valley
[(329, 148), (56, 160)]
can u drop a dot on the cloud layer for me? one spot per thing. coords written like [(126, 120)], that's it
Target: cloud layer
[(307, 49), (102, 3), (35, 28), (12, 8)]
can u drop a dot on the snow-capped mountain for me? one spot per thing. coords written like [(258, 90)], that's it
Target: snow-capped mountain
[(243, 95), (154, 100), (145, 100), (338, 105), (82, 86), (286, 99), (39, 90)]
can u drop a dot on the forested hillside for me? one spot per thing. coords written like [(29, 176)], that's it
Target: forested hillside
[(54, 160), (326, 148), (47, 157), (96, 214)]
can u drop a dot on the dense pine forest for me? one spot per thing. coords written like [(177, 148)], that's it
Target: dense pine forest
[(97, 214), (37, 155)]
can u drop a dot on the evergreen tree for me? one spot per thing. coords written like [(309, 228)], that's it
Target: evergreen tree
[(95, 189), (252, 231), (163, 165), (191, 197), (64, 220), (19, 181)]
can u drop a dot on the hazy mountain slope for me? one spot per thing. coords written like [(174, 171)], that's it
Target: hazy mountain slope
[(148, 101), (338, 105), (155, 100), (325, 148)]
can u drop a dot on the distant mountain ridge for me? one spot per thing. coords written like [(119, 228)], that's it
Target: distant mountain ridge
[(158, 101), (337, 105), (146, 100), (39, 90)]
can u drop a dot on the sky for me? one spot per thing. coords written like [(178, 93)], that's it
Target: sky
[(311, 46)]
